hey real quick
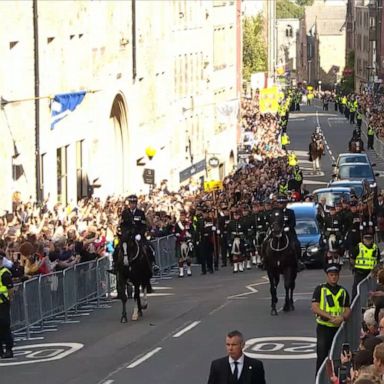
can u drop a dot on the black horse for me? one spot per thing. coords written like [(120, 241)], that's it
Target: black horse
[(132, 266), (280, 259)]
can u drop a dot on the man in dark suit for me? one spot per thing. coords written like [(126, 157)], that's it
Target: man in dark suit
[(236, 368)]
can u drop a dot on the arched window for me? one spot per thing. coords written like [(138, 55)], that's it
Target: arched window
[(289, 31)]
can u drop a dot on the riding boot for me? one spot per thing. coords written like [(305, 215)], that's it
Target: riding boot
[(181, 271), (235, 267), (189, 271), (241, 266), (248, 264), (254, 260)]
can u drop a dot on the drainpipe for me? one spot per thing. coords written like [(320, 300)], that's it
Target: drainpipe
[(37, 100), (134, 69)]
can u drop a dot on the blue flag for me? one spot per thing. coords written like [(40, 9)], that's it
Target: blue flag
[(62, 105)]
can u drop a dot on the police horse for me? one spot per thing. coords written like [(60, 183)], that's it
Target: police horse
[(132, 267), (279, 258), (316, 151), (356, 145)]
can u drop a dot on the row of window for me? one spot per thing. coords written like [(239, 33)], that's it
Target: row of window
[(361, 68), (362, 42)]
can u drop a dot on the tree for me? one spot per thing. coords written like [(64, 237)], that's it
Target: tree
[(254, 47), (288, 10)]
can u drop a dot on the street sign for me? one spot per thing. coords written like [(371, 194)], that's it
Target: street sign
[(149, 176), (192, 170)]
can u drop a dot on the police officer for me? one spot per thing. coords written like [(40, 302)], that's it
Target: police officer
[(132, 215), (236, 241), (359, 118), (371, 136), (364, 258), (6, 292), (260, 225), (330, 304)]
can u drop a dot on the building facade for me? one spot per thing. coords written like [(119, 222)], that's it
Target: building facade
[(325, 35), (144, 75), (286, 56)]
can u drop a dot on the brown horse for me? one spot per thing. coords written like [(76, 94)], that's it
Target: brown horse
[(316, 151)]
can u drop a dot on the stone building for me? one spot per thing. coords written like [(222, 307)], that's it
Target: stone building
[(325, 27), (160, 74)]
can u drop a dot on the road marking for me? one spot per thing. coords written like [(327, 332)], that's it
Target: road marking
[(187, 328), (219, 308), (280, 309), (108, 382), (281, 348), (41, 353), (145, 357), (251, 289), (314, 182), (296, 119)]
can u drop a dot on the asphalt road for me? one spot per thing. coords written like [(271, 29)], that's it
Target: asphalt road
[(185, 325)]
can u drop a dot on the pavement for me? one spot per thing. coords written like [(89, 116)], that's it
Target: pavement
[(184, 328)]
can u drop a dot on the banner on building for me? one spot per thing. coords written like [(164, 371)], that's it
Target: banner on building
[(269, 100), (63, 104)]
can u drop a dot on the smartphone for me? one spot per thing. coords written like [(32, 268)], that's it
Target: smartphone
[(342, 375), (346, 349)]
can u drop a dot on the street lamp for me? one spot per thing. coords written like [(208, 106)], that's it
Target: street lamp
[(369, 75), (319, 82)]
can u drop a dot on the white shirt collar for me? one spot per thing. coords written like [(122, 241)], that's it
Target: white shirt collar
[(240, 360)]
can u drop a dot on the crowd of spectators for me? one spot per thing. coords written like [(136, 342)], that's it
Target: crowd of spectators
[(46, 237), (366, 365), (372, 105)]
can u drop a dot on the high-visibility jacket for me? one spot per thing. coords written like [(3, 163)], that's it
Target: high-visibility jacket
[(297, 175), (359, 116), (371, 131), (292, 160), (283, 189), (332, 304), (4, 295), (366, 259), (344, 100), (285, 139)]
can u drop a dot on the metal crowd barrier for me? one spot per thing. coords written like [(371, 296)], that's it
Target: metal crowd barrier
[(62, 293), (44, 297), (350, 330), (165, 254)]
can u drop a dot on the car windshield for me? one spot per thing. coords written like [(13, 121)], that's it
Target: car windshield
[(349, 171), (330, 198), (356, 188), (353, 159), (306, 227)]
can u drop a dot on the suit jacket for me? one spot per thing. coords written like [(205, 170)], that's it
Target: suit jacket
[(252, 373)]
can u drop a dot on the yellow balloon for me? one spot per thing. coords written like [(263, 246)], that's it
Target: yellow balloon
[(150, 152)]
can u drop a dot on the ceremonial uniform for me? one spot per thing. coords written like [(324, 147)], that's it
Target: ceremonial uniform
[(237, 233), (184, 244), (223, 221), (207, 231)]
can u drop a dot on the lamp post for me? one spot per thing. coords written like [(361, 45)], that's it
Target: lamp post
[(319, 82)]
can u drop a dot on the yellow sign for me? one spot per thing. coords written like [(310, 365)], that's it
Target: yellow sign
[(213, 185), (269, 100)]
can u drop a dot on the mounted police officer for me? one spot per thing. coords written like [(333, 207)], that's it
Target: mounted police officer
[(330, 304), (260, 226), (133, 221), (249, 231), (364, 259), (6, 292)]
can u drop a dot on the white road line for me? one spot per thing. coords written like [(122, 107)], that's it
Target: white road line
[(145, 357), (108, 381), (280, 309), (187, 328)]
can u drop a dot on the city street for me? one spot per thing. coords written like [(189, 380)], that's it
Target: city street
[(184, 328)]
